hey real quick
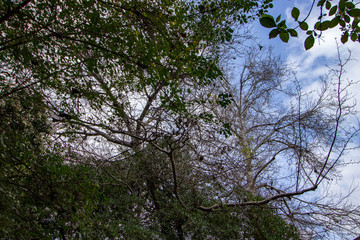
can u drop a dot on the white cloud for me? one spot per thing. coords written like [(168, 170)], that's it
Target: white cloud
[(314, 63), (350, 177)]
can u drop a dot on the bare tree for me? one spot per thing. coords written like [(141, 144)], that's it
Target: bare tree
[(286, 143)]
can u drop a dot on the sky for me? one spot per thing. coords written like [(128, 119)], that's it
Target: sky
[(314, 63), (311, 65)]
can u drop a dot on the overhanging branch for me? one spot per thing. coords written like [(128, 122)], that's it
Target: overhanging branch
[(256, 203)]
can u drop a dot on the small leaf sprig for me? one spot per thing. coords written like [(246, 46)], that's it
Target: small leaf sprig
[(345, 15)]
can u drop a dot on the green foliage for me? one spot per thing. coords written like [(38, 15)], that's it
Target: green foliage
[(149, 41), (304, 26), (267, 21), (40, 196), (309, 42), (58, 49), (281, 28), (345, 16), (284, 36), (295, 13), (263, 223), (53, 199)]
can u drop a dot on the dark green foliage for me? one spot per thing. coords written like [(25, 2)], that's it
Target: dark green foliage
[(267, 21), (309, 42), (295, 13), (41, 197), (52, 54), (262, 222), (345, 13), (148, 209), (60, 42)]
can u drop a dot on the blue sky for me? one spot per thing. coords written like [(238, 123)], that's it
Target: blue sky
[(314, 63), (310, 66)]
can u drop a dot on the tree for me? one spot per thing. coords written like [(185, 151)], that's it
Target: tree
[(126, 87), (149, 41), (284, 143), (131, 197), (109, 71), (344, 15), (41, 197)]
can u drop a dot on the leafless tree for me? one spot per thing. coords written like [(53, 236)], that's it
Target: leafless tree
[(286, 143)]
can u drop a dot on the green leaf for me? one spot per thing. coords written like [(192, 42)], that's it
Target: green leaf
[(328, 5), (282, 25), (309, 42), (345, 37), (228, 36), (295, 13), (350, 5), (354, 12), (334, 22), (354, 37), (342, 5), (320, 3), (317, 25), (347, 18), (333, 10), (267, 21), (293, 32), (309, 32), (342, 23), (354, 25), (278, 18), (304, 26), (323, 25), (284, 36), (274, 33)]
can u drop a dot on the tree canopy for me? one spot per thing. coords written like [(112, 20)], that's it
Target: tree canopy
[(119, 120)]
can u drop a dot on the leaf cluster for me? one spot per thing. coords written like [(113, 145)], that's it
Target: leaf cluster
[(344, 15)]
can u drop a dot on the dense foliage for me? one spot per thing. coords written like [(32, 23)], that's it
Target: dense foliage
[(117, 121)]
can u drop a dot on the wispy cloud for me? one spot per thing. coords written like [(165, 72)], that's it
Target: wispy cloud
[(316, 62)]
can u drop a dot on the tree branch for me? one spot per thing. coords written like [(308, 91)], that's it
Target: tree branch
[(256, 203)]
